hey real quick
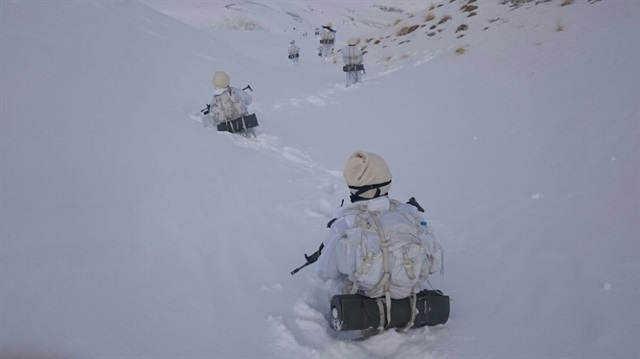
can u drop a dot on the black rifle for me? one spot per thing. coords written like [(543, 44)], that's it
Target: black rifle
[(310, 259), (205, 111), (298, 269), (413, 202)]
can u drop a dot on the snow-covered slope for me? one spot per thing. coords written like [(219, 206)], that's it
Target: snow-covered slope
[(129, 230), (291, 17)]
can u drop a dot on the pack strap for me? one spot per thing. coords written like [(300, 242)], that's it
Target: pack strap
[(407, 263), (233, 127), (367, 262), (244, 124), (412, 300), (362, 189), (385, 281), (382, 324), (439, 249)]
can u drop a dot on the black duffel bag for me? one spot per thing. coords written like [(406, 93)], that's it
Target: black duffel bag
[(349, 68), (239, 124), (357, 312)]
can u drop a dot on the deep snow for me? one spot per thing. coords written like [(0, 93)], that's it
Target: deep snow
[(129, 230)]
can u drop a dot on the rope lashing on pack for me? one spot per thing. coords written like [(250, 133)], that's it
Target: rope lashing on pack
[(412, 300), (385, 281), (362, 189), (381, 325), (244, 125)]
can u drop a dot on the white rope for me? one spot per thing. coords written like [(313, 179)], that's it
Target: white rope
[(381, 324), (244, 125), (412, 301), (385, 280)]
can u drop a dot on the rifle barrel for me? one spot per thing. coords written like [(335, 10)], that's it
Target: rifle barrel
[(298, 269)]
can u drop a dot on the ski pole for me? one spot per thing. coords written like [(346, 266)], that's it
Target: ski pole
[(248, 87)]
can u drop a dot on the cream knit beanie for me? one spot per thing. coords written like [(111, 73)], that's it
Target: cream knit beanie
[(220, 80), (367, 175), (352, 41)]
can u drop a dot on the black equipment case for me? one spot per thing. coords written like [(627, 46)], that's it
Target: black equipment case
[(357, 312), (349, 68), (239, 124)]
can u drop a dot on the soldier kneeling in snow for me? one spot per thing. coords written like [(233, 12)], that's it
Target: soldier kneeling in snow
[(228, 107), (228, 103), (380, 254)]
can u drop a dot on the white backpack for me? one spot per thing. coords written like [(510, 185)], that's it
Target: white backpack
[(227, 107), (328, 35), (351, 55), (388, 253)]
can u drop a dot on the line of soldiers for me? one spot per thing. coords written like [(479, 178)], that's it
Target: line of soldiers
[(351, 54)]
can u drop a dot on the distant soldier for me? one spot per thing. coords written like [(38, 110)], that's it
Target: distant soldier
[(352, 58), (327, 39), (294, 52)]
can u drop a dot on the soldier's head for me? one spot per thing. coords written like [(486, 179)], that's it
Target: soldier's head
[(367, 176), (220, 80)]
